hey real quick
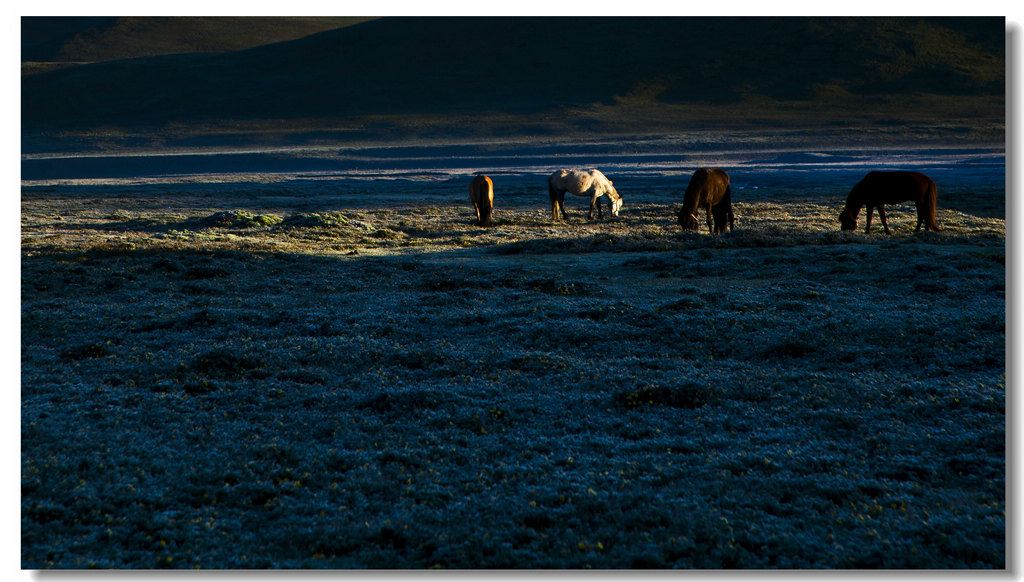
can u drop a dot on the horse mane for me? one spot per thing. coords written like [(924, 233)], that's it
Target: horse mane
[(691, 198), (611, 191), (854, 202)]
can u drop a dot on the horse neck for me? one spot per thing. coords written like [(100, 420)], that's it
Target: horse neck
[(691, 199), (854, 202)]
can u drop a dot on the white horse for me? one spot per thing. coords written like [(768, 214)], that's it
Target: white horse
[(582, 183)]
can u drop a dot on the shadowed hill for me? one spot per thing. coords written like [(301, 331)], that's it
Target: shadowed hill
[(55, 39), (529, 66), (42, 37)]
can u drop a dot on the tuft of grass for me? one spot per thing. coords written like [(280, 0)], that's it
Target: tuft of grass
[(789, 348), (388, 234), (689, 395), (684, 304), (119, 215), (536, 363), (85, 351), (419, 359), (444, 283), (407, 403), (224, 364), (316, 220), (239, 219), (206, 272), (556, 287), (197, 387)]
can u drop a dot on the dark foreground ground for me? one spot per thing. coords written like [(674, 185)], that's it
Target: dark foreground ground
[(244, 376)]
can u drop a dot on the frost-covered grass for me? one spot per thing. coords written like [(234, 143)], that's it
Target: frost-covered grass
[(246, 382)]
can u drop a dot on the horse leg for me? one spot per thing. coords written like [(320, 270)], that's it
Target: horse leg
[(721, 215), (478, 219), (881, 214), (728, 207), (867, 228), (556, 198), (711, 222), (558, 206)]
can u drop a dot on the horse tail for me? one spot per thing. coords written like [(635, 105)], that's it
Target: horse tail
[(930, 202), (556, 198), (722, 212)]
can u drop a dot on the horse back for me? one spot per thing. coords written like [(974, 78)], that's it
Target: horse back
[(709, 185), (580, 182), (558, 180), (894, 187), (924, 183), (481, 190), (601, 184)]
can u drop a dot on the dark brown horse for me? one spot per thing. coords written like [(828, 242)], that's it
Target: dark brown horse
[(481, 194), (708, 189), (880, 188)]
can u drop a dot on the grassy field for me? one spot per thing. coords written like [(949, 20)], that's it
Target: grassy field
[(247, 380)]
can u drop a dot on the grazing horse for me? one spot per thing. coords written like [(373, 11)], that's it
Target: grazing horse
[(880, 188), (481, 194), (582, 183), (708, 189)]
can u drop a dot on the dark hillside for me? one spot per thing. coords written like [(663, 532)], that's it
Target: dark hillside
[(57, 39), (821, 69), (42, 37)]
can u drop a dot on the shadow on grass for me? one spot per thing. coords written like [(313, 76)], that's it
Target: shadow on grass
[(766, 237)]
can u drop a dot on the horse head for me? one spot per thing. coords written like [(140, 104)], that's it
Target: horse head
[(688, 220), (616, 205), (847, 220)]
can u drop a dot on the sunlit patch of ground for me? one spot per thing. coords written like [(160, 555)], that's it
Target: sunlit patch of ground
[(248, 382)]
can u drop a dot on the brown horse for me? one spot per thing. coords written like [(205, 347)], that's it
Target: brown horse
[(708, 189), (880, 188), (481, 194)]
